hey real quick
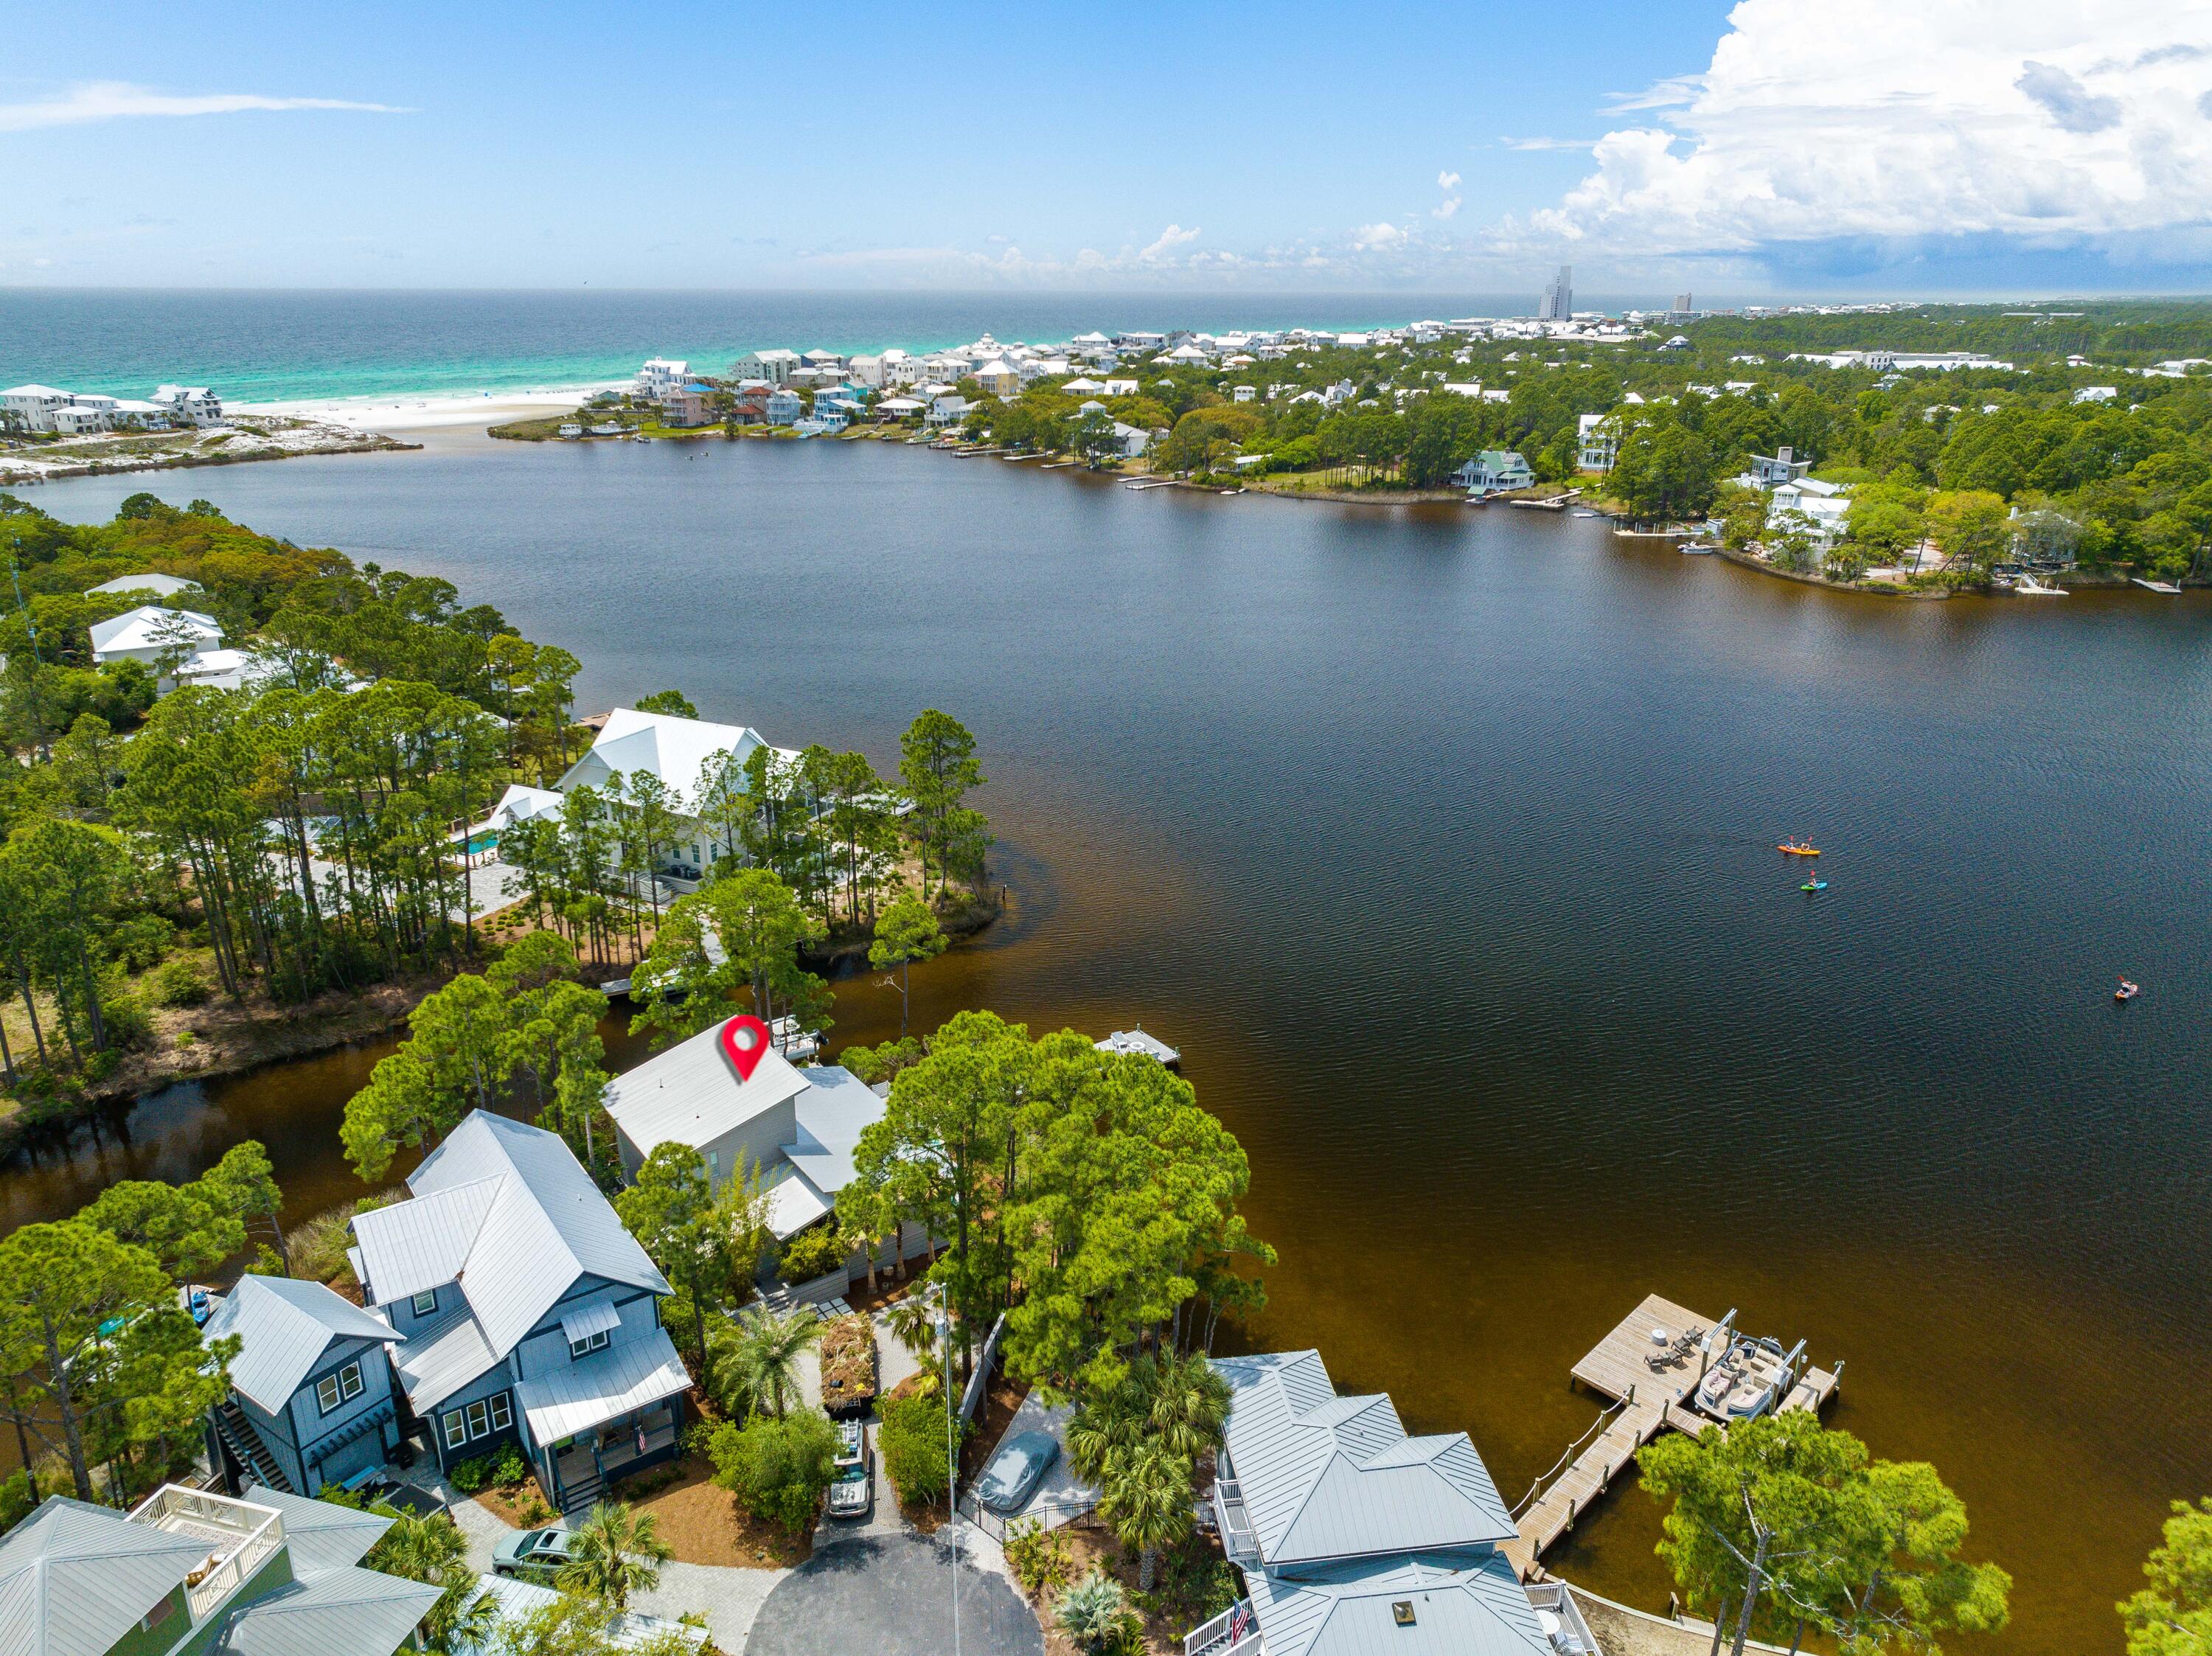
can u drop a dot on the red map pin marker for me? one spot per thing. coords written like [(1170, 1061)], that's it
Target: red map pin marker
[(745, 1038)]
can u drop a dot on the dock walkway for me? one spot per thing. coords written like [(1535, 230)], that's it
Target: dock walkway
[(1649, 1400)]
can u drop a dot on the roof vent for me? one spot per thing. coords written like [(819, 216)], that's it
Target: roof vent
[(1402, 1612)]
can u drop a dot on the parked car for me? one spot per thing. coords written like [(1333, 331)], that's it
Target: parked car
[(1012, 1478), (852, 1444), (853, 1489), (534, 1554)]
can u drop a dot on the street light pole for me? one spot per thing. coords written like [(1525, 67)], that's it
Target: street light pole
[(951, 1462)]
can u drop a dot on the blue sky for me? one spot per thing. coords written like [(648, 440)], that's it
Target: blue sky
[(1784, 145)]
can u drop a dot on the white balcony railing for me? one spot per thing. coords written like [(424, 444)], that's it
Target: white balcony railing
[(1238, 1538), (241, 1537), (1218, 1637)]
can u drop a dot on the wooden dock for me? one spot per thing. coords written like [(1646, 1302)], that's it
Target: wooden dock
[(1651, 1400)]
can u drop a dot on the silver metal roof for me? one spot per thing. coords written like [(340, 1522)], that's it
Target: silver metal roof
[(690, 1094), (284, 1325), (544, 1225), (444, 1356), (1462, 1605), (329, 1607), (323, 1535), (594, 1389), (1328, 1477), (74, 1578), (832, 1113)]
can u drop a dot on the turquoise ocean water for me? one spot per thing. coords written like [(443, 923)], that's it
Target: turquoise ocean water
[(273, 346)]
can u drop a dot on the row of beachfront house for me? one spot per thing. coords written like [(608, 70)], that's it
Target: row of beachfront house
[(43, 409)]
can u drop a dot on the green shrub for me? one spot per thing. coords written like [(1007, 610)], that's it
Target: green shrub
[(911, 1441), (778, 1470), (318, 1245), (815, 1251), (126, 1019), (140, 942), (509, 1468), (179, 983), (471, 1475), (1039, 1558)]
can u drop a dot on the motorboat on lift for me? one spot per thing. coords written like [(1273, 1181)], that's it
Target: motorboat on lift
[(1750, 1378)]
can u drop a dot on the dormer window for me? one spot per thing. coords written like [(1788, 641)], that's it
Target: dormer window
[(426, 1302), (589, 1343)]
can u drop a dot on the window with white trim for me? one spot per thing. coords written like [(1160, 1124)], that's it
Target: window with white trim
[(589, 1343), (474, 1420), (502, 1416), (426, 1302), (343, 1386), (479, 1418), (455, 1427)]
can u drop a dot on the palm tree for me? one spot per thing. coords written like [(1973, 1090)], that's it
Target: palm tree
[(615, 1552), (1188, 1404), (431, 1549), (758, 1367), (1093, 1611), (1146, 1497), (1103, 1429), (912, 1323)]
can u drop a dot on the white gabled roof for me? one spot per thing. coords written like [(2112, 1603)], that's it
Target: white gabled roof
[(513, 1212), (678, 751), (690, 1093), (1328, 1478), (152, 581), (284, 1325), (143, 628)]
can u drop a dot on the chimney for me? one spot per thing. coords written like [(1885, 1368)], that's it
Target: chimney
[(1783, 454)]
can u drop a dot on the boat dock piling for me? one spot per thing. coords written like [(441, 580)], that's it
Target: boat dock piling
[(1645, 1400)]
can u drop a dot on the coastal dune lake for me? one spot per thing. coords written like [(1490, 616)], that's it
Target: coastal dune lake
[(1441, 841)]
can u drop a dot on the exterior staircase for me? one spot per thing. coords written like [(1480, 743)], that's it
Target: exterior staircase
[(579, 1496), (241, 1439)]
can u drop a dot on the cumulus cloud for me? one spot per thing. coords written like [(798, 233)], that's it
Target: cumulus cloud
[(1171, 239), (2072, 105), (1445, 208), (2070, 122), (1370, 237), (110, 100), (1446, 181)]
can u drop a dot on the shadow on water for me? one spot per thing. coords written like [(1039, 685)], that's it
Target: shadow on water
[(1442, 845)]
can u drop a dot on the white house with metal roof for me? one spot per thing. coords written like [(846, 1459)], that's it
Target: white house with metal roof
[(165, 586), (686, 756), (1353, 1536), (147, 633), (523, 1311), (187, 1572), (311, 1398), (798, 1126)]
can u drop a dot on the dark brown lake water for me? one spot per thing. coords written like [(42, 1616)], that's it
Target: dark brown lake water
[(1441, 841)]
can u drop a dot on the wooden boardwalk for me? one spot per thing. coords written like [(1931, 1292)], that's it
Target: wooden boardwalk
[(1651, 1400)]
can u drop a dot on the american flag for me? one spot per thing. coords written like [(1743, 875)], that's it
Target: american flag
[(1240, 1620)]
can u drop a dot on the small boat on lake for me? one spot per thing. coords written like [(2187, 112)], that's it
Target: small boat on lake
[(1798, 848), (2127, 990), (1814, 884), (2028, 587)]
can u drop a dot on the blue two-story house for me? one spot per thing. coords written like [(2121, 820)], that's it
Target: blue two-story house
[(521, 1311), (312, 1400)]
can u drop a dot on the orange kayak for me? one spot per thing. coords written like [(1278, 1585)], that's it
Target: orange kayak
[(1792, 849)]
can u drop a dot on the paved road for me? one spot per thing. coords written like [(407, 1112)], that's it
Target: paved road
[(890, 1595)]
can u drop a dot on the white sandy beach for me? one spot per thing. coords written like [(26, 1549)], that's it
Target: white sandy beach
[(396, 413)]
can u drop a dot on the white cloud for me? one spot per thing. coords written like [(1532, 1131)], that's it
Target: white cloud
[(1445, 208), (1549, 143), (1171, 239), (109, 100), (1372, 237), (2063, 121), (1448, 181)]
